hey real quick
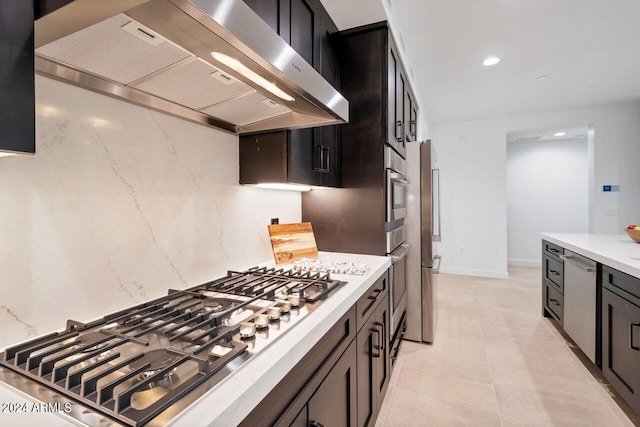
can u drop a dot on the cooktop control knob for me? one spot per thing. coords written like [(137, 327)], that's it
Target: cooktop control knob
[(273, 313), (261, 321), (285, 306), (294, 300), (247, 330)]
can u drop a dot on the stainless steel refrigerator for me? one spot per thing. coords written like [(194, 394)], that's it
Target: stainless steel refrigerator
[(421, 297)]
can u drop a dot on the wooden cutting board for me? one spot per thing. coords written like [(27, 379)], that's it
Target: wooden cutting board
[(292, 241)]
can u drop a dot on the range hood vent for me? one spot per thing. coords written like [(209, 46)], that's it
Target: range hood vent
[(213, 62)]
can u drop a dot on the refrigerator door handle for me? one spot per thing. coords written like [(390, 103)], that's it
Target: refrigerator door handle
[(435, 205)]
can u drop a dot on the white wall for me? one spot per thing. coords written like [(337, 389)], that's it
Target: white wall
[(118, 205), (472, 159), (547, 190)]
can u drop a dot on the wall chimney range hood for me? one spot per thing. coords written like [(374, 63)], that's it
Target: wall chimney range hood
[(214, 62)]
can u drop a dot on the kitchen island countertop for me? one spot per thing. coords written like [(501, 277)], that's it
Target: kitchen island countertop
[(617, 251)]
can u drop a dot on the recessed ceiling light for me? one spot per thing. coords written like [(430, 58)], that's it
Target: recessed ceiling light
[(559, 134), (540, 78), (492, 60)]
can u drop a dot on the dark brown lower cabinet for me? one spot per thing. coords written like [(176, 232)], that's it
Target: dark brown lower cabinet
[(343, 379), (333, 402), (373, 364), (621, 345), (553, 302)]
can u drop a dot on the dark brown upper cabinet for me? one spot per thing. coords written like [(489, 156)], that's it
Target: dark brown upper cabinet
[(17, 106), (268, 10), (301, 156), (305, 156), (402, 116)]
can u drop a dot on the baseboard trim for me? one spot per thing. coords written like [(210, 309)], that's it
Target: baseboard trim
[(476, 273)]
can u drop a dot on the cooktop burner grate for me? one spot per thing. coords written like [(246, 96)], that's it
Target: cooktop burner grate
[(132, 365)]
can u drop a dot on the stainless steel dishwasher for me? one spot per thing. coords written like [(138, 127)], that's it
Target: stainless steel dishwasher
[(580, 301)]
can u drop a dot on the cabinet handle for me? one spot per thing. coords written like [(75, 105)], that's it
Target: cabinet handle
[(323, 165), (412, 127), (555, 251), (381, 346), (319, 164), (375, 294), (633, 347), (554, 273), (399, 136), (397, 349), (325, 169), (314, 423), (554, 301), (375, 348)]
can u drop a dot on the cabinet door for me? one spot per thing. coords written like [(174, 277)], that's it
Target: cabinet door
[(411, 117), (263, 157), (299, 26), (408, 106), (413, 126), (328, 46), (402, 90), (392, 106), (334, 402), (373, 364), (330, 159), (304, 156), (382, 364), (367, 340), (621, 346), (268, 10), (17, 105)]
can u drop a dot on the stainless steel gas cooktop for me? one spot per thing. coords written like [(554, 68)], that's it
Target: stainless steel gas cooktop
[(146, 364)]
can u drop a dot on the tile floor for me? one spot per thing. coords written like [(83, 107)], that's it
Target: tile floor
[(496, 362)]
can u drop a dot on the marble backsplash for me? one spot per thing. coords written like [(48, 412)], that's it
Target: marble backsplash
[(119, 204)]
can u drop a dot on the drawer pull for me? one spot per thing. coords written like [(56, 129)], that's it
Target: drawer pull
[(633, 347), (554, 301), (555, 251), (554, 273), (314, 423), (375, 294)]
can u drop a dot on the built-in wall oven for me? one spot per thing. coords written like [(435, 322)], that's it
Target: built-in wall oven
[(396, 195), (397, 248)]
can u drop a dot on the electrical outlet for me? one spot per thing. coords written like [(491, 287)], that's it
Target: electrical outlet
[(275, 221)]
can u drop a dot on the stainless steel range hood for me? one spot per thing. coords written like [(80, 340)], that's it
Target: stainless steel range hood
[(213, 62)]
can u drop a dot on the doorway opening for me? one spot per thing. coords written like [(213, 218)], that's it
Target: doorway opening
[(548, 188)]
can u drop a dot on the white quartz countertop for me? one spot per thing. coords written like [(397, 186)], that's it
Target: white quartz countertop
[(233, 399), (617, 251)]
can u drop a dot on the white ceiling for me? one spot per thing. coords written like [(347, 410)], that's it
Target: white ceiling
[(548, 134), (353, 13), (589, 49)]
